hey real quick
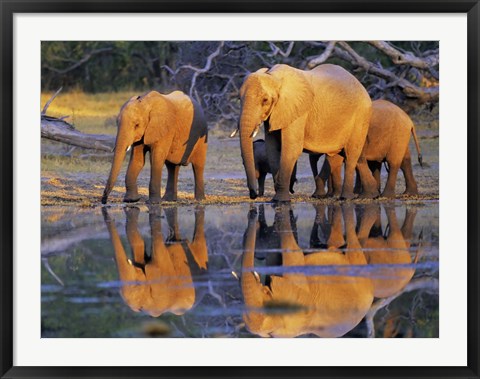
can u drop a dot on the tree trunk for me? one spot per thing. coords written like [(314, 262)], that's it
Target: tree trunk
[(59, 130)]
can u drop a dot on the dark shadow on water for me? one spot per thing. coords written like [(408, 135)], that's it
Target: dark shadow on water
[(302, 270)]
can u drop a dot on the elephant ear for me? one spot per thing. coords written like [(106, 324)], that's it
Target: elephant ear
[(295, 97), (161, 120)]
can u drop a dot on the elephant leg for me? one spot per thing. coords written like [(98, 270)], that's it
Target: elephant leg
[(313, 159), (157, 160), (389, 190), (358, 184), (198, 165), (355, 158), (406, 167), (261, 183), (336, 164), (375, 168), (137, 161), (293, 178), (369, 184), (352, 155), (288, 158), (320, 178), (272, 144), (171, 190)]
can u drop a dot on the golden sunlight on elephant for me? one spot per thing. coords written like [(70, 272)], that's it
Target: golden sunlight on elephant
[(160, 282), (315, 293), (173, 129), (325, 110)]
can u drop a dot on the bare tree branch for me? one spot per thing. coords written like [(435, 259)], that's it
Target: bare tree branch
[(47, 104), (425, 94), (276, 50), (198, 71), (406, 57), (428, 284), (315, 61)]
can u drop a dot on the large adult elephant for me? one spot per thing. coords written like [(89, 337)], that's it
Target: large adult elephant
[(301, 301), (162, 281), (325, 110), (173, 129)]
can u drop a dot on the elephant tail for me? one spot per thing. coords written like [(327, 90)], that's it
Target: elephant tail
[(419, 152)]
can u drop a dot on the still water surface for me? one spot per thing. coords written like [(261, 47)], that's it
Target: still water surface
[(305, 270)]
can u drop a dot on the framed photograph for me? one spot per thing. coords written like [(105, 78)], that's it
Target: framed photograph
[(240, 190)]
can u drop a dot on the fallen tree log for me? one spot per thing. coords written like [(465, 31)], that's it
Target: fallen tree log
[(59, 130)]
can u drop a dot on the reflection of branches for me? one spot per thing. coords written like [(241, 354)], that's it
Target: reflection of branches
[(50, 270), (427, 284)]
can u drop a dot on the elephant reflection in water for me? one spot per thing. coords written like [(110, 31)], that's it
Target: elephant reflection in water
[(388, 248), (325, 305), (160, 282)]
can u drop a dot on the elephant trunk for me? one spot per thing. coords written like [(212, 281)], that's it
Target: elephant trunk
[(247, 128), (118, 157)]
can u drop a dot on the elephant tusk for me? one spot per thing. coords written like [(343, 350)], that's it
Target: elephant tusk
[(234, 133), (128, 148), (235, 275), (130, 262), (255, 132), (256, 275)]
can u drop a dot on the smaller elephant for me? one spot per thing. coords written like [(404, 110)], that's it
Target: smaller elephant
[(387, 142), (173, 129), (262, 167)]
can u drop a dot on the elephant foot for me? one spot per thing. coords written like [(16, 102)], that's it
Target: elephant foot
[(319, 195), (169, 197), (199, 197), (154, 200), (388, 194), (411, 192), (281, 198), (131, 198), (253, 194), (369, 195), (261, 194), (347, 196)]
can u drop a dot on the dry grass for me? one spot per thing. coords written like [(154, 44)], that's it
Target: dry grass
[(72, 180), (90, 113)]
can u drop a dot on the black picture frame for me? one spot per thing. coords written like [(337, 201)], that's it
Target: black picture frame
[(10, 7)]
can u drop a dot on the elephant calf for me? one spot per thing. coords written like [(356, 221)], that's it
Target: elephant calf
[(387, 141), (262, 168), (173, 129)]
